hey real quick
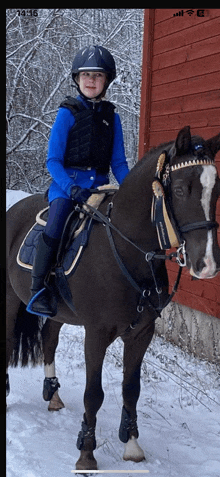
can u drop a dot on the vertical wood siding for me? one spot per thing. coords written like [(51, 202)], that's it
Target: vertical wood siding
[(180, 87)]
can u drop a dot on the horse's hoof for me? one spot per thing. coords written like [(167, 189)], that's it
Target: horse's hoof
[(133, 451), (86, 461), (55, 403)]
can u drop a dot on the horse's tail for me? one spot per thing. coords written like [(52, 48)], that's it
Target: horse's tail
[(27, 339)]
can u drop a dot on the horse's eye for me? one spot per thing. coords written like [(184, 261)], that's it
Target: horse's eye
[(178, 191)]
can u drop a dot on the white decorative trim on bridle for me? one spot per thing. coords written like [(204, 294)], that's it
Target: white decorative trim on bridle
[(198, 162)]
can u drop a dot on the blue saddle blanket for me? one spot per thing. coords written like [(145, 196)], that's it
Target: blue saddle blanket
[(27, 251)]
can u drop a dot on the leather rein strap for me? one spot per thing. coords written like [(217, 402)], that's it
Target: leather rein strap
[(149, 257)]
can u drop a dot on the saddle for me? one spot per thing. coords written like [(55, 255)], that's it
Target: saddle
[(77, 240), (73, 241)]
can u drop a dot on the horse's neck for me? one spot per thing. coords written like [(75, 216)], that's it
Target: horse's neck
[(132, 205)]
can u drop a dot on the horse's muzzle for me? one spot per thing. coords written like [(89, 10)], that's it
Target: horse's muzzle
[(209, 270)]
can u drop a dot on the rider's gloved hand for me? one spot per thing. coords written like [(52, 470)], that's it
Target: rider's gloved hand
[(79, 195)]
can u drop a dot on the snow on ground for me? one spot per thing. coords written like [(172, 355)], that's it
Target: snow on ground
[(178, 413)]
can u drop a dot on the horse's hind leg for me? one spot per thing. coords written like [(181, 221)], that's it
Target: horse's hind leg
[(135, 346), (50, 339), (96, 342)]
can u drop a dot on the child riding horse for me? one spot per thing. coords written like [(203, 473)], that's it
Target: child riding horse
[(86, 139)]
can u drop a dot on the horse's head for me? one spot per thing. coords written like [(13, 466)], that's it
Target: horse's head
[(194, 189)]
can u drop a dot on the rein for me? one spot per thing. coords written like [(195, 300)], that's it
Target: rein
[(149, 257)]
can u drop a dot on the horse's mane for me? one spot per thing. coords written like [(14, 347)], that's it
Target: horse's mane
[(156, 150), (150, 158)]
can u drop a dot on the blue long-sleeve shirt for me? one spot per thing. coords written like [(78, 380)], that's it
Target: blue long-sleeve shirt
[(65, 177)]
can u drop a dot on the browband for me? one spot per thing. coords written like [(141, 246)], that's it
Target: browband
[(195, 162)]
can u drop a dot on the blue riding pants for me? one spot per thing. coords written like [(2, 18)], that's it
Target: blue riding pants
[(59, 210)]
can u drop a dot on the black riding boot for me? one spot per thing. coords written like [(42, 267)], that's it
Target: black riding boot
[(41, 299)]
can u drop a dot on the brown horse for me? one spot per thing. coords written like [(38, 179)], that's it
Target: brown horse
[(119, 287)]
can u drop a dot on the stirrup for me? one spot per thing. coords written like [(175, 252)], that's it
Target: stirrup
[(31, 302)]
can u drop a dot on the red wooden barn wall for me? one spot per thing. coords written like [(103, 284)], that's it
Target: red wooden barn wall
[(180, 87)]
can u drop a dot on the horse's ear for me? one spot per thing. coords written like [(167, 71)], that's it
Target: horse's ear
[(183, 141), (214, 144)]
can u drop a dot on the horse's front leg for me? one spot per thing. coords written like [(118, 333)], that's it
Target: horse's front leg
[(50, 339), (135, 345), (96, 342)]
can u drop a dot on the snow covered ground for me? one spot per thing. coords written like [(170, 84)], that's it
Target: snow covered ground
[(178, 413)]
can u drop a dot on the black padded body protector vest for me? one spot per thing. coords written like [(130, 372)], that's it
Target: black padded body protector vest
[(90, 140)]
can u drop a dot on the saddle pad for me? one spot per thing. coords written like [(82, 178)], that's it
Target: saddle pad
[(27, 251)]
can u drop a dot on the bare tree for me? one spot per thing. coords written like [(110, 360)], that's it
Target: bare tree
[(41, 45)]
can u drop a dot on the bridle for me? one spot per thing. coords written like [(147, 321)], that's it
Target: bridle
[(169, 233), (162, 216)]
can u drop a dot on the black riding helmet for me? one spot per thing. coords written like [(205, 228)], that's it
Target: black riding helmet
[(94, 58)]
